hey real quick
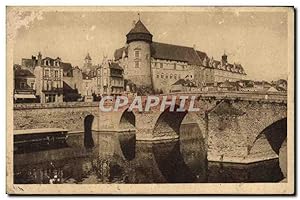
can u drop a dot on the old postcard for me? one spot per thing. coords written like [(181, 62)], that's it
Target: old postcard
[(150, 100)]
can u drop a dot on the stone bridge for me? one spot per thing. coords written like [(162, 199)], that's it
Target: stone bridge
[(239, 126)]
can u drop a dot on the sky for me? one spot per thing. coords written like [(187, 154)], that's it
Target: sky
[(257, 40)]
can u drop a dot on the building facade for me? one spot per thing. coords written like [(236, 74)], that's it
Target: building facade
[(24, 85), (49, 79), (159, 65)]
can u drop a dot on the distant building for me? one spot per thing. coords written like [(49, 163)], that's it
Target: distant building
[(281, 84), (24, 85), (183, 85), (112, 78), (159, 65), (48, 77), (116, 79), (222, 86), (87, 63), (72, 82)]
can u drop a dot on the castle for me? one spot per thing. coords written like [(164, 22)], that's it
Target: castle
[(159, 65)]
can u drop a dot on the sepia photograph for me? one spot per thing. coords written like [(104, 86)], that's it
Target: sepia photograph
[(150, 100)]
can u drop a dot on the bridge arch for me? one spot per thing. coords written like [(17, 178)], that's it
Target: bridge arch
[(272, 143), (88, 135), (127, 120), (275, 134), (168, 123)]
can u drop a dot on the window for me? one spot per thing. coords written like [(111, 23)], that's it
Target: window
[(157, 76), (50, 98), (56, 73), (137, 54), (175, 66), (167, 76), (22, 85), (32, 85), (175, 76), (137, 64), (162, 75), (161, 65), (46, 72), (171, 76)]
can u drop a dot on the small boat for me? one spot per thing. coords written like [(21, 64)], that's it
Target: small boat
[(31, 139)]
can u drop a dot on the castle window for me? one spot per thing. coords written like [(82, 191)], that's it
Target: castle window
[(175, 66), (137, 64), (175, 76), (46, 73), (137, 54), (161, 65), (56, 73), (167, 76), (162, 75), (171, 76), (157, 76)]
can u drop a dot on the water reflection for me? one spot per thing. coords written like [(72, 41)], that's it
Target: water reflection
[(119, 158)]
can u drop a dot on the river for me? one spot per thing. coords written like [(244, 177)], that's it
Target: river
[(119, 158)]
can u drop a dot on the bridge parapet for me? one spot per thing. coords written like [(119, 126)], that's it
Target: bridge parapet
[(277, 97), (22, 106)]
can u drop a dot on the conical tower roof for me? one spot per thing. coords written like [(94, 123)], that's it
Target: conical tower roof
[(139, 33), (139, 28)]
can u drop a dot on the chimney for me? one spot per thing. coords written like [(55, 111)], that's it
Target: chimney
[(39, 62), (33, 58), (224, 59)]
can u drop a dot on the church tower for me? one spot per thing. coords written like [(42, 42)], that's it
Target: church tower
[(139, 41), (87, 61)]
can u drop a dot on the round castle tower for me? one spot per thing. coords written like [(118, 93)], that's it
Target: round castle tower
[(139, 41)]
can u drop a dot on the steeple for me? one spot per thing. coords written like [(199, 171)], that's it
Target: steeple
[(139, 33), (87, 61), (88, 57)]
